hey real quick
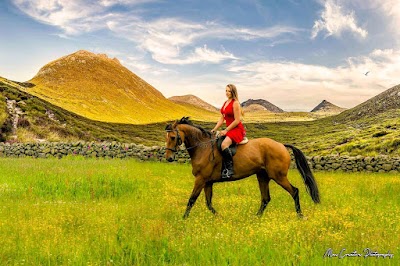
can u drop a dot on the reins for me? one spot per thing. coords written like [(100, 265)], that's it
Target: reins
[(179, 142)]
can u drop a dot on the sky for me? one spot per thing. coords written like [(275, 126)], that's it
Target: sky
[(292, 53)]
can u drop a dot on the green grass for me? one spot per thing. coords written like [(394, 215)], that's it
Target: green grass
[(78, 211)]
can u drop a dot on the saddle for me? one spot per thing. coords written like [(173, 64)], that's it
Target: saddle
[(233, 147)]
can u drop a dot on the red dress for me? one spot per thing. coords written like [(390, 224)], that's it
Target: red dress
[(237, 133)]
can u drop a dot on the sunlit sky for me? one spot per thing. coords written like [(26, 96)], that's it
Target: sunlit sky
[(293, 53)]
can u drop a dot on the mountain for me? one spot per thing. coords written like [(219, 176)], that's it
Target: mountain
[(267, 105), (327, 107), (100, 88), (382, 103), (255, 108), (193, 100)]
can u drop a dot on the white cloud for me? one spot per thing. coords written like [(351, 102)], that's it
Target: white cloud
[(168, 40), (391, 10), (173, 41), (335, 20), (73, 17), (295, 85), (108, 3)]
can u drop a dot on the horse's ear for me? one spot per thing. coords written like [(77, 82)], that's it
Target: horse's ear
[(185, 120), (168, 127)]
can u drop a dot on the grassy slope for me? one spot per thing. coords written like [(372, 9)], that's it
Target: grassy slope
[(77, 127), (101, 89), (325, 136), (373, 135), (366, 136), (100, 212)]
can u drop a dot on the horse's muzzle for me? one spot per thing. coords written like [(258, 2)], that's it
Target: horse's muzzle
[(170, 159)]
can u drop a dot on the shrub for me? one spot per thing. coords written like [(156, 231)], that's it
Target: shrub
[(379, 134), (23, 122)]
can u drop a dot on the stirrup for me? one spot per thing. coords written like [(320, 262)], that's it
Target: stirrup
[(224, 174)]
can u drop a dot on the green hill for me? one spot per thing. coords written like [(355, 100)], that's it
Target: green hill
[(42, 120)]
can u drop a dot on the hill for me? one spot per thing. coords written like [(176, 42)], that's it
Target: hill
[(267, 105), (100, 88), (383, 102), (27, 118), (255, 108), (327, 107), (193, 100)]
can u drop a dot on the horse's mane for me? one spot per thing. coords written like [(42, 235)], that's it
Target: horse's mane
[(187, 121)]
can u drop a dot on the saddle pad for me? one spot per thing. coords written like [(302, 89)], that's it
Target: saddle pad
[(244, 141)]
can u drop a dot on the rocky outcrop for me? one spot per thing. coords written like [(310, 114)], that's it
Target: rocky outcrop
[(327, 107), (267, 105), (15, 113), (193, 100)]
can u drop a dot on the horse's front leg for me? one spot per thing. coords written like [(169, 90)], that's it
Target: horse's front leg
[(199, 184), (208, 191)]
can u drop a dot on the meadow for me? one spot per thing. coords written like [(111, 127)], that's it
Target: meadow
[(76, 211)]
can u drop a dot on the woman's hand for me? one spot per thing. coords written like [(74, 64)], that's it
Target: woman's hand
[(223, 132)]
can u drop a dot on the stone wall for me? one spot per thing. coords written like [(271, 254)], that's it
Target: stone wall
[(80, 148), (156, 153), (355, 163)]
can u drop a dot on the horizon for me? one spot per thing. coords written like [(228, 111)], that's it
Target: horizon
[(293, 54)]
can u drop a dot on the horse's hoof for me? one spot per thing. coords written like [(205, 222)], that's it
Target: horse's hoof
[(300, 216)]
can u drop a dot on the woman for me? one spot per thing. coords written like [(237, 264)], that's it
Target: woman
[(234, 132)]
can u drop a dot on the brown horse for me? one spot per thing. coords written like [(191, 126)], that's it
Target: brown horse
[(264, 157)]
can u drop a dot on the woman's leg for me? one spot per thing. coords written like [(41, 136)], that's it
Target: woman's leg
[(226, 143), (227, 166)]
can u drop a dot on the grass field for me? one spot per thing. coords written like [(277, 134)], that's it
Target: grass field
[(78, 211)]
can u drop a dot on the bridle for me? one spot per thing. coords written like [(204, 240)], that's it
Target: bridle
[(179, 142)]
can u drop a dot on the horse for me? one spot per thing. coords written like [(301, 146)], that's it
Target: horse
[(264, 157)]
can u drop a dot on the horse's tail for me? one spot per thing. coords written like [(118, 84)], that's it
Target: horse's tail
[(305, 171)]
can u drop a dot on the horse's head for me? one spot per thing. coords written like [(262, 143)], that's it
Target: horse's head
[(174, 138)]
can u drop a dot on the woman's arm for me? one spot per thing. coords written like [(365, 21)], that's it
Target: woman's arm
[(219, 123)]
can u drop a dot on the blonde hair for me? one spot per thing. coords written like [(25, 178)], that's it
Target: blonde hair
[(235, 96)]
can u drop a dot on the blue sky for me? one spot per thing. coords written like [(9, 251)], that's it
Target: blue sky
[(293, 53)]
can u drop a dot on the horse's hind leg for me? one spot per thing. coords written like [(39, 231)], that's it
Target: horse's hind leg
[(263, 182), (208, 191), (293, 191)]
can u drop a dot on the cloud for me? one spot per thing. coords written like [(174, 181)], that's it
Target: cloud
[(200, 54), (335, 20), (391, 10), (295, 85), (73, 17), (175, 41), (108, 3), (169, 40)]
